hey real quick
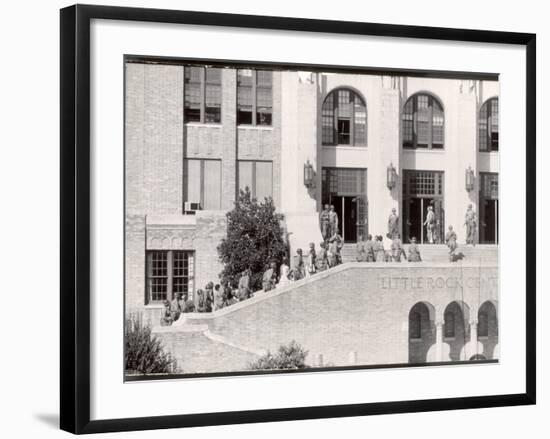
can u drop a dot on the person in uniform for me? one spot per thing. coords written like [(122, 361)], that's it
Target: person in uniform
[(298, 269), (450, 240), (333, 221), (209, 293), (393, 224), (244, 285), (186, 304), (176, 306), (397, 248), (269, 279), (470, 221), (414, 251), (166, 317), (201, 301), (430, 224), (378, 248), (218, 297), (284, 273), (360, 255), (336, 244), (324, 221), (369, 249), (321, 261), (310, 263)]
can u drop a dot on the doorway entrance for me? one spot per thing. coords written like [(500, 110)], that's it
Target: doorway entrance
[(423, 191), (488, 208), (345, 188)]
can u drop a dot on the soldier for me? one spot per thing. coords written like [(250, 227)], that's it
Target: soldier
[(166, 317), (450, 240), (244, 285), (324, 221), (209, 293), (176, 306), (201, 302), (336, 244), (397, 248), (360, 254), (369, 249), (298, 270), (430, 224), (378, 248), (470, 221), (310, 263), (414, 252), (321, 261), (393, 224), (218, 297), (333, 221), (186, 304), (269, 279)]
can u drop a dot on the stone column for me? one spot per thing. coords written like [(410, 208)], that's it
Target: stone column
[(473, 340), (439, 340)]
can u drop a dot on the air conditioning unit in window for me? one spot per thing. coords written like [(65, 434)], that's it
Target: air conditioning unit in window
[(190, 207)]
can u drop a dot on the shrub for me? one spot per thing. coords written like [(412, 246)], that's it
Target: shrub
[(144, 352), (291, 356), (254, 238)]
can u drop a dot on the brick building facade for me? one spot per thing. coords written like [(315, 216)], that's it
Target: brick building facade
[(195, 134)]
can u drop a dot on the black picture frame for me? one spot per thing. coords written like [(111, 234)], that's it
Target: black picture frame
[(75, 217)]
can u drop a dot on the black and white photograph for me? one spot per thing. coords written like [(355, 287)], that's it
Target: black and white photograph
[(285, 219)]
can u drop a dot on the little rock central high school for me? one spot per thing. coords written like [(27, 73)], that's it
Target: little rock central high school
[(195, 135)]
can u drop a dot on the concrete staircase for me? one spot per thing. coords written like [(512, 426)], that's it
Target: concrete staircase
[(440, 253)]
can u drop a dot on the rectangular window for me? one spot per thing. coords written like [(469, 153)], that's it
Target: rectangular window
[(203, 94), (203, 183), (169, 272), (254, 97), (257, 176)]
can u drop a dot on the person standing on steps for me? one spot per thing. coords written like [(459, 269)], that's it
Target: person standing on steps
[(450, 240), (393, 224), (470, 221), (397, 248), (414, 251), (333, 221), (430, 224), (324, 221)]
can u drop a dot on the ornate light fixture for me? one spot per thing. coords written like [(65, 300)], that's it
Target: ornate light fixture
[(309, 175), (470, 179), (391, 176)]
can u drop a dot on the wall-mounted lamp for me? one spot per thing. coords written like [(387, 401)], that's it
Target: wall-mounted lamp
[(391, 176), (470, 179), (309, 175)]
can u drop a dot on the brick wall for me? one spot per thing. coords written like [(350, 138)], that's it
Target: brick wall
[(356, 310)]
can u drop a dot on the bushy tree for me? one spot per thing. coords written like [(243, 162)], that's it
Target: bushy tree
[(291, 356), (144, 352), (254, 238)]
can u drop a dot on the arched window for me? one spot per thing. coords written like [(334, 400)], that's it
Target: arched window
[(344, 118), (423, 122), (488, 126)]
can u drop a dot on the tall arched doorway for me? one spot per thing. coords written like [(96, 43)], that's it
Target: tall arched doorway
[(487, 328), (421, 331), (456, 329)]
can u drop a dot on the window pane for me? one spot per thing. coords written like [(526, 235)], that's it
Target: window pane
[(213, 98), (437, 125), (192, 107), (157, 271), (193, 180), (328, 120), (494, 124), (264, 180), (244, 97), (264, 97), (245, 176), (180, 272), (408, 139), (422, 121), (360, 112), (212, 184)]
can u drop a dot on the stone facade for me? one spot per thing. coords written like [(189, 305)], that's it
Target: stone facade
[(158, 141), (362, 310)]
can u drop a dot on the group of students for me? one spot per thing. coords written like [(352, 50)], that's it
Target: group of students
[(374, 251)]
